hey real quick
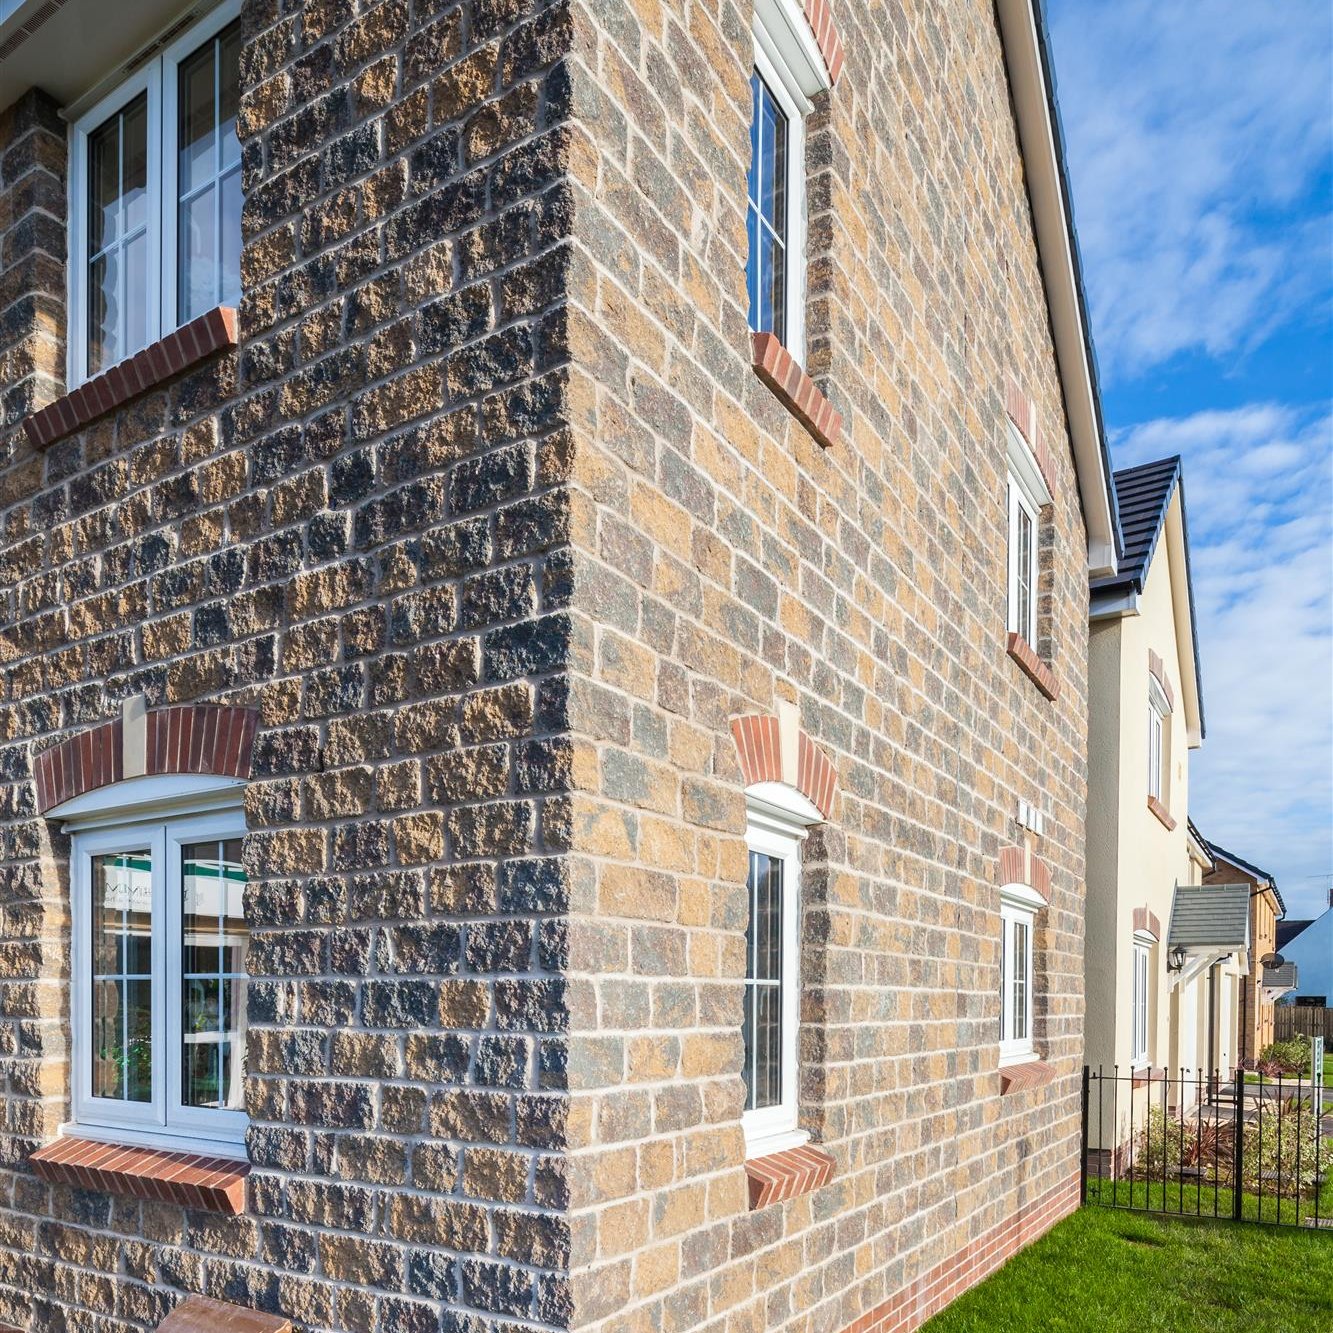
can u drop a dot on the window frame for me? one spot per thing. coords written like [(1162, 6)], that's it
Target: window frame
[(162, 1122), (159, 79), (1021, 507), (1026, 493), (778, 820), (1159, 743), (780, 81), (1019, 905), (788, 59), (1140, 1003)]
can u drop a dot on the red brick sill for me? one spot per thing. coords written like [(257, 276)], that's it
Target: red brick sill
[(212, 1184), (1144, 1075), (1020, 1078), (201, 1315), (1033, 667), (787, 1174), (797, 392), (1162, 813), (157, 363)]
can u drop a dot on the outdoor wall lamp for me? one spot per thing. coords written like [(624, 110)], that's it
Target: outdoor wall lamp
[(1175, 961)]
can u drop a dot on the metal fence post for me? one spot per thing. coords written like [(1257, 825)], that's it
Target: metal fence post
[(1083, 1160), (1238, 1133)]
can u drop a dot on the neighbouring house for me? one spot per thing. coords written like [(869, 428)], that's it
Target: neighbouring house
[(544, 557), (1161, 952), (1255, 1013), (1311, 950)]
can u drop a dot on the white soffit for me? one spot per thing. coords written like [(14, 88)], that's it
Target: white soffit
[(69, 48)]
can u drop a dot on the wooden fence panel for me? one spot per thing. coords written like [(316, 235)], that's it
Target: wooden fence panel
[(1290, 1020)]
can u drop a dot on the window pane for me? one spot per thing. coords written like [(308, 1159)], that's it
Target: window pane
[(230, 286), (103, 311), (135, 264), (213, 947), (197, 142), (1020, 981), (122, 918), (198, 252), (229, 91), (134, 179), (1024, 556), (763, 991), (766, 267), (103, 185), (117, 219), (209, 154)]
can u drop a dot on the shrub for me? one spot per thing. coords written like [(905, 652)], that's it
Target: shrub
[(1284, 1140), (1286, 1057)]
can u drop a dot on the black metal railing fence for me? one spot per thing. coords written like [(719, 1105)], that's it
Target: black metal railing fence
[(1204, 1145)]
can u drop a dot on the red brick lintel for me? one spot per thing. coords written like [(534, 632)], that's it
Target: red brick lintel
[(910, 1307), (776, 366), (192, 1180), (157, 363), (1033, 667), (787, 1174), (1162, 813), (198, 1314), (819, 15), (180, 738), (1031, 1074)]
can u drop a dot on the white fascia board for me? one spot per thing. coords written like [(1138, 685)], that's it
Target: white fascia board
[(1178, 567), (1055, 249), (1115, 604)]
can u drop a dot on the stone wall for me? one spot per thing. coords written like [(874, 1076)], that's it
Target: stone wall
[(491, 519), (353, 522), (730, 562)]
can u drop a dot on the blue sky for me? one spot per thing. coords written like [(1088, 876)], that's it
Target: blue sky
[(1200, 144)]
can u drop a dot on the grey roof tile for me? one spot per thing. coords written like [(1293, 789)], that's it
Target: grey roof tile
[(1211, 916)]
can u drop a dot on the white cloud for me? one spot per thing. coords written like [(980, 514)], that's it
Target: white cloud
[(1199, 134), (1259, 495)]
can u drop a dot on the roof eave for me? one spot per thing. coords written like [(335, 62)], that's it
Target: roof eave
[(1023, 29), (1182, 602)]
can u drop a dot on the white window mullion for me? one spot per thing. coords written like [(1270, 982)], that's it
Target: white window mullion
[(161, 999)]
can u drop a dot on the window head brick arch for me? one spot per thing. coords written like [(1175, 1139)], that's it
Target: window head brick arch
[(774, 748), (1021, 865), (213, 739)]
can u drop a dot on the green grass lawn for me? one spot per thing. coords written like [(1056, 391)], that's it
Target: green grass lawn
[(1105, 1271)]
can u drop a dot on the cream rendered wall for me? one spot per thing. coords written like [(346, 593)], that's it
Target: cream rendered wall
[(1133, 859), (1102, 946)]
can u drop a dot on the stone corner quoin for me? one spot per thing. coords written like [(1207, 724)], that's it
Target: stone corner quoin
[(481, 557)]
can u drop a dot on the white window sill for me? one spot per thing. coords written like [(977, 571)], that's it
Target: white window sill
[(768, 1144), (138, 1138), (1026, 1057)]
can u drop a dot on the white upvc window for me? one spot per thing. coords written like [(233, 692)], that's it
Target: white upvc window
[(778, 820), (158, 969), (155, 198), (788, 71), (1159, 741), (1027, 494), (1140, 1002), (1019, 905)]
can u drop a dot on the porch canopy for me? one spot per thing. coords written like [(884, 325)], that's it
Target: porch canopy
[(1279, 981), (1209, 923)]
